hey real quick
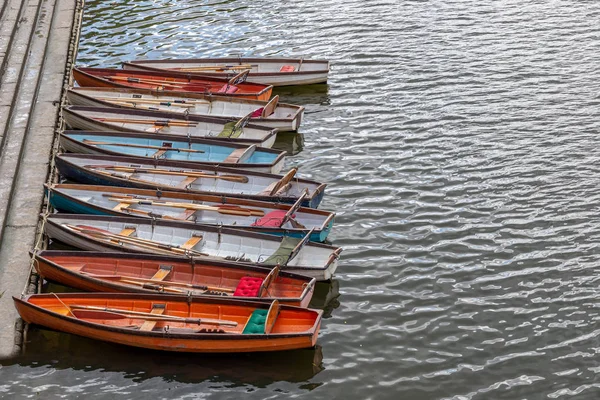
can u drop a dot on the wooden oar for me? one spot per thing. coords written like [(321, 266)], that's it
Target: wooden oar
[(152, 287), (141, 146), (182, 104), (189, 206), (158, 171), (156, 317), (165, 148), (216, 67), (146, 243), (147, 121), (223, 207)]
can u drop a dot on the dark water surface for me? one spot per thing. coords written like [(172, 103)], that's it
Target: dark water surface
[(460, 143)]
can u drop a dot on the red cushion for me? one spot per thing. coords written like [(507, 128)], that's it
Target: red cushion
[(228, 89), (272, 219), (287, 68), (248, 287), (257, 113)]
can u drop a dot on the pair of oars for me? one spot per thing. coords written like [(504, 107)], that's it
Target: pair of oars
[(232, 210), (156, 122), (141, 146), (162, 285), (143, 243), (232, 67), (178, 103), (117, 312), (159, 171), (192, 86)]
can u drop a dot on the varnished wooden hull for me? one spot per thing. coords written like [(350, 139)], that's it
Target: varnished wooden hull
[(93, 77), (47, 311), (88, 271)]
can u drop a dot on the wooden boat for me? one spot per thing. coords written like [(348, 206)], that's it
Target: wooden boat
[(230, 212), (188, 177), (272, 114), (143, 273), (174, 148), (269, 71), (137, 235), (174, 323), (145, 121), (169, 81)]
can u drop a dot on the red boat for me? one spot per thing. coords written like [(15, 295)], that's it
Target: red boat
[(144, 273), (172, 82)]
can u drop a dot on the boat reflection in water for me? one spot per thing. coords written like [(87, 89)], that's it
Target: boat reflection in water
[(325, 297), (304, 95), (258, 369), (292, 142)]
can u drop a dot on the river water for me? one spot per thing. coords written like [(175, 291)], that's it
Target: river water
[(460, 141)]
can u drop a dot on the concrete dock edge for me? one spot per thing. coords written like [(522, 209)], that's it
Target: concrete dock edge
[(38, 45)]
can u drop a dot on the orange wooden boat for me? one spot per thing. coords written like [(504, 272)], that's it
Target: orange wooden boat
[(172, 82), (141, 273), (174, 323)]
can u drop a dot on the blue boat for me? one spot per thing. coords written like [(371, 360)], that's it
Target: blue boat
[(257, 216), (169, 147), (186, 177)]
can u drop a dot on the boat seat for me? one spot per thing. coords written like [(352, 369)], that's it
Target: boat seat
[(191, 242), (157, 309), (282, 254), (248, 287), (287, 68), (229, 131), (162, 273), (257, 113), (272, 219), (186, 215), (228, 89), (127, 232), (240, 156), (256, 322), (159, 153), (187, 181), (121, 206)]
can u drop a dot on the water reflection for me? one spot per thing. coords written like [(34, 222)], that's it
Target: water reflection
[(64, 351), (304, 95)]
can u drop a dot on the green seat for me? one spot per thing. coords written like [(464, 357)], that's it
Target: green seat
[(256, 323), (282, 254), (228, 131)]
